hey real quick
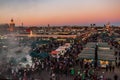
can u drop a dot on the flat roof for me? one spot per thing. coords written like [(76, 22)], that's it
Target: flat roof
[(100, 44)]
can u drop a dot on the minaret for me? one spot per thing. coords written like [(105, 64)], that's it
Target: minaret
[(12, 25), (108, 26)]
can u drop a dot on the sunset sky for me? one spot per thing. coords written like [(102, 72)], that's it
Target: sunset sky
[(60, 12)]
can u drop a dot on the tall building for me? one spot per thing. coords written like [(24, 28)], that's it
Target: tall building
[(108, 26), (12, 25)]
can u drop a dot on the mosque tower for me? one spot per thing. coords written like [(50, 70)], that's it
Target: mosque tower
[(11, 26), (108, 26)]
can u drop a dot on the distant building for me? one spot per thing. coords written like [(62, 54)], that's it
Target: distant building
[(4, 28), (12, 26), (108, 26)]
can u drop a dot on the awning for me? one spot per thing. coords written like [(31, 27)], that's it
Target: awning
[(39, 55), (54, 52)]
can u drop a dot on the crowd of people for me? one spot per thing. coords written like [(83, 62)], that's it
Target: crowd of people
[(66, 64)]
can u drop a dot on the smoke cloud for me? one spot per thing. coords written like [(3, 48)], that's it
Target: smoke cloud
[(13, 51)]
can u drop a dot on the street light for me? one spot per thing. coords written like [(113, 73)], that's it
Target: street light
[(96, 56)]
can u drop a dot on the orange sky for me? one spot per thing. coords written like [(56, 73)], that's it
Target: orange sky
[(60, 12)]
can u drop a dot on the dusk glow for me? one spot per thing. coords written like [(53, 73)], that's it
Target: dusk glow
[(60, 12)]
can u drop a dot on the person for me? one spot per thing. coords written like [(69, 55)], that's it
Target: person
[(106, 68), (72, 72), (110, 68), (53, 76), (83, 76), (78, 72), (113, 68), (115, 77), (118, 64), (76, 78), (101, 77)]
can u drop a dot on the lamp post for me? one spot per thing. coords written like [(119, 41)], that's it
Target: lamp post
[(96, 56)]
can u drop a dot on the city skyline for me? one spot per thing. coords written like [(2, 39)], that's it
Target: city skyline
[(60, 12)]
